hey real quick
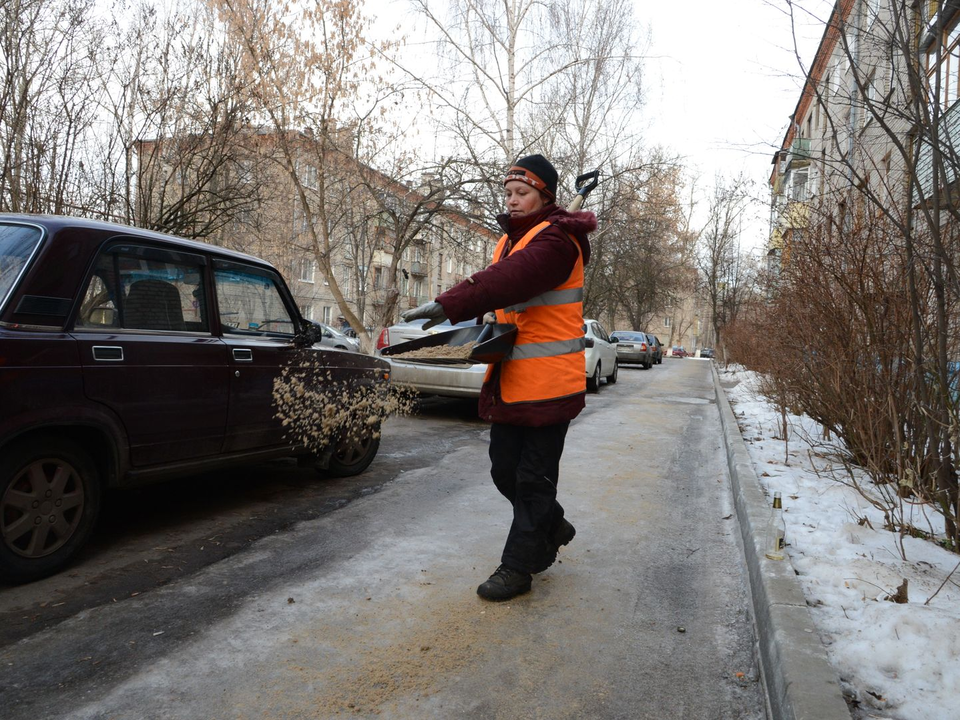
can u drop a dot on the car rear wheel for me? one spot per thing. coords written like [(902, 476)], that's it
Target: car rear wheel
[(49, 501), (353, 454), (613, 376), (593, 382)]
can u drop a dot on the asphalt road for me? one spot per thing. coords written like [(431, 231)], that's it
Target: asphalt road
[(269, 593)]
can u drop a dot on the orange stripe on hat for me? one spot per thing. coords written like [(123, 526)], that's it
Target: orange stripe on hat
[(530, 178)]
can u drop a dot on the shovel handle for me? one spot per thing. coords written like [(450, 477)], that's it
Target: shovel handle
[(584, 184), (485, 333)]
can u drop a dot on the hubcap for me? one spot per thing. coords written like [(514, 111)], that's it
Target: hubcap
[(350, 450), (41, 508)]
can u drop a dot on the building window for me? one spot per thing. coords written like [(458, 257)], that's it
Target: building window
[(798, 186), (378, 278), (327, 312), (307, 311), (308, 270), (666, 322), (308, 175), (946, 72)]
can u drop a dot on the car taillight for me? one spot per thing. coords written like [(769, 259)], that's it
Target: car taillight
[(643, 346), (384, 339)]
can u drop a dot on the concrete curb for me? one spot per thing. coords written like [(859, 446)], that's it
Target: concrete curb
[(801, 684)]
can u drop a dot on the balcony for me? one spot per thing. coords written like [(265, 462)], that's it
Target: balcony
[(418, 268), (799, 153), (947, 176)]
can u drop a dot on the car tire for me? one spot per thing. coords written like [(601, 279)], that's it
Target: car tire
[(352, 455), (613, 376), (593, 382), (49, 502)]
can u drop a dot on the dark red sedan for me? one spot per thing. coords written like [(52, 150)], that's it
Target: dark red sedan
[(128, 356)]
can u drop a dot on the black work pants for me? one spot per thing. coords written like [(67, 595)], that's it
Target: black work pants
[(525, 465)]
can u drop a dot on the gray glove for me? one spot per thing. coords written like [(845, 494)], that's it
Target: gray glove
[(433, 311), (489, 318)]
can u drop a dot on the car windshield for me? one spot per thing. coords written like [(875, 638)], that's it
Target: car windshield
[(17, 244), (630, 335)]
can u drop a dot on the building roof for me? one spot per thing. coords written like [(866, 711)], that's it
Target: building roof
[(831, 35)]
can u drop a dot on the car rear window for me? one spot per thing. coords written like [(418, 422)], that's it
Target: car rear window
[(143, 288), (17, 245), (630, 335)]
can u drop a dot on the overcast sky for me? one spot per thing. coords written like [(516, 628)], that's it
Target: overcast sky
[(722, 78)]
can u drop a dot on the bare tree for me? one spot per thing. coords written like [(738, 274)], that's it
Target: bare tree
[(727, 273), (46, 83)]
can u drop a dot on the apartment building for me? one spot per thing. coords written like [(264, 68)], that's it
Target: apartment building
[(875, 121), (383, 245)]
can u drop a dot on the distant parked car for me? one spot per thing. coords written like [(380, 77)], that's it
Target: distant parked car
[(633, 346), (448, 380), (678, 351), (656, 349), (128, 356), (706, 352), (601, 356), (331, 337)]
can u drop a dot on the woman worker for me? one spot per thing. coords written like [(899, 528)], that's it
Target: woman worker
[(536, 283)]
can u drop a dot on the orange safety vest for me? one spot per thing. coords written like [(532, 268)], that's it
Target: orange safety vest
[(547, 360)]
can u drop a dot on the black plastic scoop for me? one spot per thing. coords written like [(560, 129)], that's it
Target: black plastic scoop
[(494, 340)]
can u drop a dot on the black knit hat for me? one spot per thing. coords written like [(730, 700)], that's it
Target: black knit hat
[(537, 171)]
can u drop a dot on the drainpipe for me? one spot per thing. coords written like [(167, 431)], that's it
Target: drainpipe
[(854, 114)]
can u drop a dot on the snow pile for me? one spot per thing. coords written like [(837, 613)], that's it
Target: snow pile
[(894, 660)]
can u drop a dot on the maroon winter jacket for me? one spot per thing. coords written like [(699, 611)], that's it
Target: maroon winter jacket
[(544, 263)]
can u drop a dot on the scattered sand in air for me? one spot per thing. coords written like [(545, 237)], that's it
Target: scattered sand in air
[(318, 411), (441, 352)]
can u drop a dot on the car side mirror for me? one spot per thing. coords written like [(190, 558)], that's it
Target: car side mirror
[(309, 334), (589, 342), (614, 339)]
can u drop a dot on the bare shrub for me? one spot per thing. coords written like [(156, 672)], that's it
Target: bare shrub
[(843, 339)]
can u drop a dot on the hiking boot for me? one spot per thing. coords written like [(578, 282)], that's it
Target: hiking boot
[(504, 584), (563, 534)]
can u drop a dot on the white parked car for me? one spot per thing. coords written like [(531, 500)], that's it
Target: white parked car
[(601, 356)]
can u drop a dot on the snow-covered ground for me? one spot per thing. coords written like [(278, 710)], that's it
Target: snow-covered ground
[(897, 660)]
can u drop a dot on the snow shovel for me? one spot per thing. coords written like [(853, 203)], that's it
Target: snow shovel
[(493, 341)]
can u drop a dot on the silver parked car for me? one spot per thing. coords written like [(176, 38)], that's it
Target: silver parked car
[(331, 337), (633, 347), (601, 356), (448, 380)]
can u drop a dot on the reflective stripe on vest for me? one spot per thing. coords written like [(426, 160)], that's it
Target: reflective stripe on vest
[(547, 359), (552, 297), (547, 349)]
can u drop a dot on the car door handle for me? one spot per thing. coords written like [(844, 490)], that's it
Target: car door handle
[(243, 354), (108, 353)]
